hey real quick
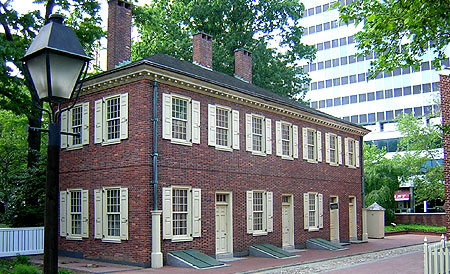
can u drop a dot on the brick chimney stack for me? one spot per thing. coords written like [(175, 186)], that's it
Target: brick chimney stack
[(119, 33), (202, 50), (243, 65)]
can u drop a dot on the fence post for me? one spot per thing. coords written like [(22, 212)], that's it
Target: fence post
[(425, 256), (441, 255)]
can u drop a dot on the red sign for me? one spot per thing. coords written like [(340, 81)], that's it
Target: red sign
[(401, 195)]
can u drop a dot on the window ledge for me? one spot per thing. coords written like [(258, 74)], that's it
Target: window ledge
[(260, 233), (334, 164), (315, 229), (257, 153), (229, 149), (180, 142), (111, 142), (284, 157), (74, 147), (110, 240), (74, 238), (312, 161), (182, 239)]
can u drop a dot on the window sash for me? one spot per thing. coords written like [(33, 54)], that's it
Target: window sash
[(258, 211), (257, 134), (75, 213), (223, 122), (113, 212), (312, 210), (180, 211), (77, 122), (179, 118), (351, 152), (311, 144), (333, 149), (286, 147), (113, 118)]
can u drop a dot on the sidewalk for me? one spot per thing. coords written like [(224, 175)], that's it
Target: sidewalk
[(255, 264)]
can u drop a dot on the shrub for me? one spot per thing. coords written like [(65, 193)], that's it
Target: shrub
[(26, 269)]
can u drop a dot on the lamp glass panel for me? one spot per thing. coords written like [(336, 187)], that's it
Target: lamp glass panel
[(65, 72), (38, 73)]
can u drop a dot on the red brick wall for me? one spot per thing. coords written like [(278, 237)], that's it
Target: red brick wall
[(202, 49), (243, 64), (421, 218), (200, 166), (445, 111)]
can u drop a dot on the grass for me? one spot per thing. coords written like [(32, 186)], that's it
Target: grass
[(415, 227), (22, 265)]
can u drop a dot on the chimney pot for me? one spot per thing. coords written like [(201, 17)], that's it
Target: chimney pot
[(202, 50), (243, 65)]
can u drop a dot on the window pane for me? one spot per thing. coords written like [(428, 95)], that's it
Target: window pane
[(113, 211), (397, 92), (362, 98), (336, 81), (345, 100), (337, 101), (417, 89), (388, 93), (380, 94), (257, 132), (370, 96), (180, 211), (328, 83), (353, 99), (406, 91), (344, 60), (77, 122), (179, 118), (222, 126), (389, 115), (335, 43)]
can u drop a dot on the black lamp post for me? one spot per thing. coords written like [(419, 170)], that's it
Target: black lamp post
[(53, 64)]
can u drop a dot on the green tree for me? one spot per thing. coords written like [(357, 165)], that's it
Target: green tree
[(400, 32), (166, 27), (18, 31)]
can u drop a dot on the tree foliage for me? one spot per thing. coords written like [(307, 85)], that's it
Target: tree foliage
[(167, 26), (400, 32)]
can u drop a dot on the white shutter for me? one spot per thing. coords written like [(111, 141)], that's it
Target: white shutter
[(295, 141), (249, 212), (357, 153), (167, 212), (305, 143), (85, 213), (166, 116), (211, 125), (64, 128), (196, 212), (69, 128), (320, 204), (346, 151), (319, 146), (195, 122), (268, 136), (269, 196), (340, 149), (278, 137), (124, 213), (235, 129), (327, 148), (305, 211), (85, 124), (98, 131), (98, 211), (63, 213), (124, 116), (248, 132)]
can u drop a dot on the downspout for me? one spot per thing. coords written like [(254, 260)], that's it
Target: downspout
[(361, 164), (156, 256), (155, 145)]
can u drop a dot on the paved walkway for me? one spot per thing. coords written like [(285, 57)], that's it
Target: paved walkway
[(393, 254)]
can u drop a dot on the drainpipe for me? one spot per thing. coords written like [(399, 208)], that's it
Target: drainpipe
[(365, 235), (156, 256)]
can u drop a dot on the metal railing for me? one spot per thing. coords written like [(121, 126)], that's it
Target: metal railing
[(21, 241), (436, 256)]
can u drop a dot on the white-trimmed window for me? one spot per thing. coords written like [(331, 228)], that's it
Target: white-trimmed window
[(74, 214), (181, 213), (312, 145), (351, 153), (181, 119), (259, 212), (75, 120), (286, 140), (223, 127), (258, 134), (111, 119), (333, 143), (312, 211), (111, 214)]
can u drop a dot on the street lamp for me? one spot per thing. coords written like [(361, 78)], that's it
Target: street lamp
[(53, 64)]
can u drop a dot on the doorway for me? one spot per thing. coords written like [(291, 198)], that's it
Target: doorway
[(352, 218), (287, 221), (334, 219), (224, 226)]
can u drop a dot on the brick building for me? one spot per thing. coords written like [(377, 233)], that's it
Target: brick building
[(236, 164), (445, 112)]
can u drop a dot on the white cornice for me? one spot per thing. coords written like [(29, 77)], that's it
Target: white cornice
[(147, 72)]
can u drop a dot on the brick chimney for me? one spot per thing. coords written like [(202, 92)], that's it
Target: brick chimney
[(243, 65), (119, 33), (202, 50)]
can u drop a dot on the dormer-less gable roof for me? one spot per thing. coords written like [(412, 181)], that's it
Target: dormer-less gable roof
[(168, 63)]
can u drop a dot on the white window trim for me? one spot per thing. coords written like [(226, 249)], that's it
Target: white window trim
[(356, 159), (100, 131), (101, 221), (267, 213), (338, 149), (317, 145), (64, 214), (66, 126), (193, 218), (293, 131), (233, 130), (318, 211), (266, 141), (193, 120)]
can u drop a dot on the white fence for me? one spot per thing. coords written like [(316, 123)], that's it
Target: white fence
[(436, 257), (21, 241)]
